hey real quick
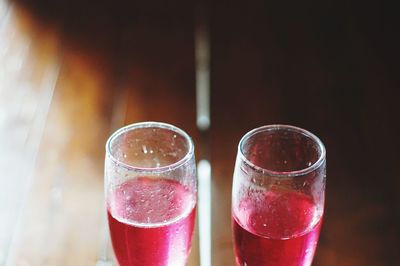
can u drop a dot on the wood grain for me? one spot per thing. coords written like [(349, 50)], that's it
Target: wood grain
[(72, 72), (327, 68), (28, 73)]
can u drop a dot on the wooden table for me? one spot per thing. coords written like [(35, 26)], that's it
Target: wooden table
[(72, 72)]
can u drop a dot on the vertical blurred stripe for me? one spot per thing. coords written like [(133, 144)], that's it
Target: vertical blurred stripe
[(204, 208), (26, 92), (202, 59)]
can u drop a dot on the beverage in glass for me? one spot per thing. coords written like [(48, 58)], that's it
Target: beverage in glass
[(150, 189), (278, 196)]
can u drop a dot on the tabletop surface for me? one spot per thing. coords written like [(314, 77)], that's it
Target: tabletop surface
[(71, 73)]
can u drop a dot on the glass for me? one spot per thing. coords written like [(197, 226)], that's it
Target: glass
[(278, 196), (150, 189)]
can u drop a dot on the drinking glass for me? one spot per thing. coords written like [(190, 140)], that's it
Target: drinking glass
[(278, 196), (150, 190)]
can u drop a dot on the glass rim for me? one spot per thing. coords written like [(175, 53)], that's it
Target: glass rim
[(282, 174), (150, 124)]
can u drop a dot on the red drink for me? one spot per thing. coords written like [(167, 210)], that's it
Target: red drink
[(276, 228), (151, 222)]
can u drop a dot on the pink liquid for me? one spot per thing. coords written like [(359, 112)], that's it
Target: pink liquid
[(151, 222), (280, 228)]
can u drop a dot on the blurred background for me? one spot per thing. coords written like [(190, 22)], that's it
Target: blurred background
[(71, 72)]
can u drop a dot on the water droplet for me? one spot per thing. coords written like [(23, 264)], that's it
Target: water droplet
[(124, 155), (144, 149), (174, 136), (285, 162)]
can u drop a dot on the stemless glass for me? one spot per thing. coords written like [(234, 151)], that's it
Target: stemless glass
[(150, 189), (278, 196)]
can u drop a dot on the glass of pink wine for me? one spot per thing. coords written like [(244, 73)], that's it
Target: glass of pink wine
[(150, 190), (278, 196)]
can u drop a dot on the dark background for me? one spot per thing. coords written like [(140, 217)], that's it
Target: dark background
[(330, 67)]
